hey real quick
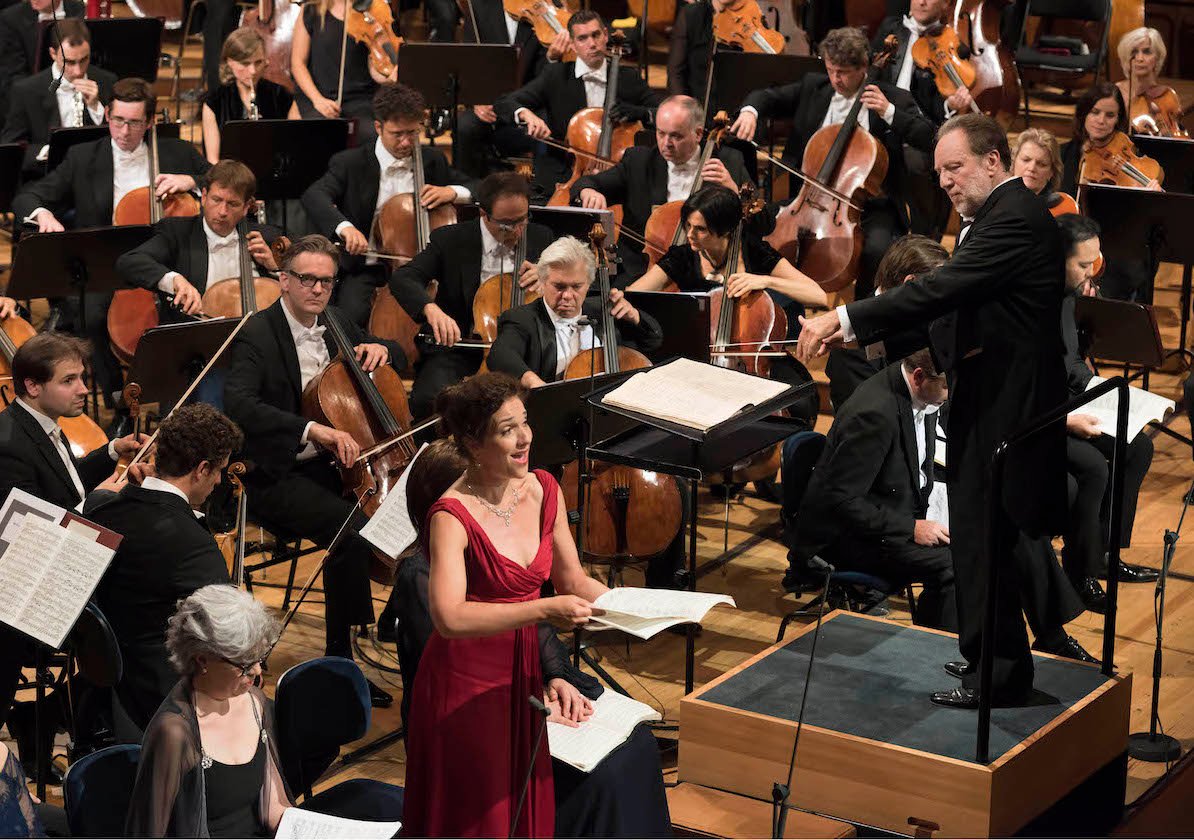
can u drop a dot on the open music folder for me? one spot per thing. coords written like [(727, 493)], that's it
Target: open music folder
[(613, 720)]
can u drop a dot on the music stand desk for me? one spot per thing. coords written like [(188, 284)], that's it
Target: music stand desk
[(1176, 156), (169, 357), (684, 319)]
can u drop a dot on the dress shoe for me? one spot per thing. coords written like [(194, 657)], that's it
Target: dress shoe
[(1131, 573), (798, 581), (1070, 649), (387, 629), (379, 698), (958, 669), (1092, 595), (956, 698)]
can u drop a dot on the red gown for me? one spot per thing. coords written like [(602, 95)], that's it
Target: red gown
[(471, 729)]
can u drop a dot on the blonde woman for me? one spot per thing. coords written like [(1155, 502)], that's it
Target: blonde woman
[(242, 91)]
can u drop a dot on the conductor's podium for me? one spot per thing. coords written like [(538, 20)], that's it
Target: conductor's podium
[(875, 751)]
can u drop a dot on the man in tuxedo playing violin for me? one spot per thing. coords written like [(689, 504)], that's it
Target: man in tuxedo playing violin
[(91, 181), (461, 257), (188, 253), (294, 487), (889, 114), (34, 110), (547, 103), (359, 181), (647, 177)]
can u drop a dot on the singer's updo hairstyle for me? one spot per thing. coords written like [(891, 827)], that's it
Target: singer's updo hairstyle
[(466, 409)]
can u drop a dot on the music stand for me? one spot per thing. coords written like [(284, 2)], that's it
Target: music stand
[(558, 414), (61, 139), (124, 46), (1176, 156), (169, 357), (574, 221), (12, 158), (287, 156), (684, 319), (459, 74)]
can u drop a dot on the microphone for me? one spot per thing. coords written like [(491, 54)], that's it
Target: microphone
[(540, 707), (585, 321), (816, 564), (964, 52), (56, 82)]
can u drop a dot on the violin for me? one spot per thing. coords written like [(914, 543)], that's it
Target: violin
[(133, 311), (1118, 163), (663, 225), (941, 52), (629, 513), (500, 292), (1158, 111), (545, 17), (372, 408), (401, 229), (81, 432), (996, 86), (818, 232), (740, 24), (370, 22), (244, 294)]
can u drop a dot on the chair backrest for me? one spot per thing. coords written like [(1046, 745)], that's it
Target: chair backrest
[(800, 453), (93, 643), (97, 790), (1097, 10), (319, 706)]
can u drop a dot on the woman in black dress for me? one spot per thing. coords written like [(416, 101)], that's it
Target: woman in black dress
[(243, 94)]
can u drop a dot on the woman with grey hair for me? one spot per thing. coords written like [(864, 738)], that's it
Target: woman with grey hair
[(209, 762)]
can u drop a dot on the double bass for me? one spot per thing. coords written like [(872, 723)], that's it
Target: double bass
[(818, 232), (629, 513)]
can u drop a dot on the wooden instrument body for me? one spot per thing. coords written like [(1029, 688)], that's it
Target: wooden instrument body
[(494, 296), (662, 230), (661, 14), (1158, 112), (754, 322), (740, 23), (546, 18), (223, 298), (274, 22), (996, 86), (373, 26), (1115, 163), (939, 55), (1064, 204), (584, 134)]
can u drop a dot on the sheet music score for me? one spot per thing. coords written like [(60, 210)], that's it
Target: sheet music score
[(390, 530), (613, 721), (646, 612), (692, 393), (1143, 407), (299, 824)]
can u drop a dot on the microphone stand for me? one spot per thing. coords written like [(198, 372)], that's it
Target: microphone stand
[(56, 81), (1154, 745), (538, 706), (781, 792)]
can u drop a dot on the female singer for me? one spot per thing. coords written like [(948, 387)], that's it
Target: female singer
[(315, 64), (1142, 55), (209, 760), (494, 538), (243, 94), (1098, 115)]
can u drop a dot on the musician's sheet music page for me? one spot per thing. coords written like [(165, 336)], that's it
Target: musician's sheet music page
[(16, 507), (298, 824), (389, 529), (1143, 407), (645, 612), (613, 720)]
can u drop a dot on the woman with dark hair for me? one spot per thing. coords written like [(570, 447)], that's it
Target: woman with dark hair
[(494, 538), (1098, 115)]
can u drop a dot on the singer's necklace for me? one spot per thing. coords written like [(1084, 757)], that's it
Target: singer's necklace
[(502, 513)]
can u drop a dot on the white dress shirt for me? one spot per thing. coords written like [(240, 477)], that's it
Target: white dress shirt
[(70, 112), (915, 30), (571, 338), (681, 176), (313, 358), (594, 85), (54, 433), (511, 28), (152, 482), (130, 170), (223, 260), (496, 258), (839, 106), (920, 411)]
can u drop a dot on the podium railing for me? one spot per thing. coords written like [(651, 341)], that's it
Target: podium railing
[(994, 539)]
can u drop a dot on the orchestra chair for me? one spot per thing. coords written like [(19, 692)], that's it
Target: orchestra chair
[(1033, 57), (97, 789), (319, 706)]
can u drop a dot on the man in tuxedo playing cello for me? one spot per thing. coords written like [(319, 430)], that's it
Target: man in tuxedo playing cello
[(993, 312), (646, 177), (547, 103), (889, 114), (187, 253), (359, 181), (294, 486)]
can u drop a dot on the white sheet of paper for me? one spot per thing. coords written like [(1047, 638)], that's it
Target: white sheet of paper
[(645, 612), (390, 530), (1143, 407), (297, 824), (16, 506), (614, 718)]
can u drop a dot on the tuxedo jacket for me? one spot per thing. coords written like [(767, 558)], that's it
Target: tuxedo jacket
[(19, 32), (491, 29), (453, 257), (84, 180), (556, 94), (166, 554), (263, 388), (922, 86), (33, 112), (30, 462), (994, 311), (347, 192), (866, 486), (526, 338)]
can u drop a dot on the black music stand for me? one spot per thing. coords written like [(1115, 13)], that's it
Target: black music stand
[(287, 156), (1160, 221), (1176, 156), (459, 74), (684, 319), (129, 46), (61, 139), (12, 158), (692, 454), (169, 357), (558, 416)]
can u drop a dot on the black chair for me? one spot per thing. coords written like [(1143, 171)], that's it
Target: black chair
[(1057, 53), (97, 790)]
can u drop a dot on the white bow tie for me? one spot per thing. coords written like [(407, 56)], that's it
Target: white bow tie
[(221, 242), (594, 76), (568, 323), (911, 25), (312, 334), (129, 157), (398, 166)]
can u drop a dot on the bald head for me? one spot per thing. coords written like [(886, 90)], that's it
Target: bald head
[(678, 122)]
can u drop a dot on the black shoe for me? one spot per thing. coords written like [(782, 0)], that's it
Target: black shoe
[(387, 629), (1092, 595), (1070, 649), (956, 698), (798, 581), (1130, 573), (958, 669), (379, 698)]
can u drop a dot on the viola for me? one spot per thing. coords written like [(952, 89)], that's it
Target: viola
[(941, 52), (372, 408), (232, 545), (133, 311), (1158, 111), (629, 513), (996, 87), (500, 292), (818, 232), (244, 294), (740, 24), (1118, 163), (370, 22), (545, 17)]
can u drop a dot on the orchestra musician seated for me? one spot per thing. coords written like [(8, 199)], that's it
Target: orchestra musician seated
[(166, 552), (461, 257), (647, 177), (1036, 160), (1089, 448), (82, 93), (347, 199), (818, 100), (1158, 107), (294, 485), (187, 254), (209, 762), (536, 341), (866, 505), (20, 35), (546, 104), (243, 92)]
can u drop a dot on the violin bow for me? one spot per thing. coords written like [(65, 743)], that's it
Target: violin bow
[(343, 54)]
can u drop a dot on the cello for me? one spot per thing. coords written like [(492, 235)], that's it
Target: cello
[(498, 293), (818, 233), (244, 294), (629, 513)]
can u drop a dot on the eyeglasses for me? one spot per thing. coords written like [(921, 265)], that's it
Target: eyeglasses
[(510, 225), (308, 281), (245, 669), (121, 122)]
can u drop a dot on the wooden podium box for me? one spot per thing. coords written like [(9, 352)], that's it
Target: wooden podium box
[(875, 751)]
